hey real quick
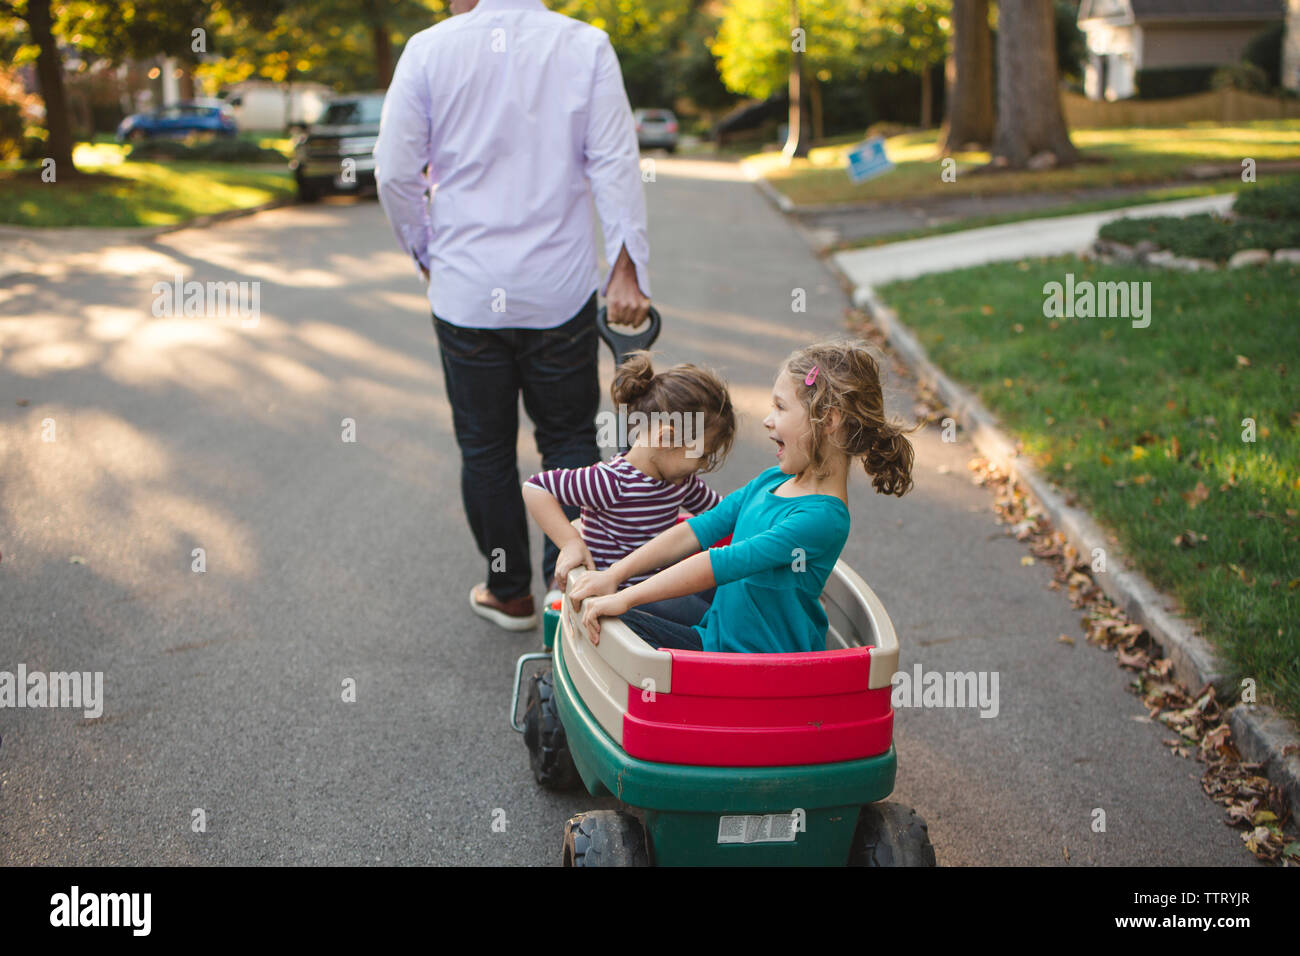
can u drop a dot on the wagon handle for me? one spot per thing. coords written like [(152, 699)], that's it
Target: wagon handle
[(620, 343)]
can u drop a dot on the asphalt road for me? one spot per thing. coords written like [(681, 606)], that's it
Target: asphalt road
[(329, 560)]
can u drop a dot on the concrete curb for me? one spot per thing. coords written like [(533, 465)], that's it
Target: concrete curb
[(777, 198), (1262, 735), (217, 217)]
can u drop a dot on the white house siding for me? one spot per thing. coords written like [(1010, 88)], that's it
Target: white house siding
[(1291, 47)]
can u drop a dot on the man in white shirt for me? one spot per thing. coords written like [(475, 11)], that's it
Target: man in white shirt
[(520, 116)]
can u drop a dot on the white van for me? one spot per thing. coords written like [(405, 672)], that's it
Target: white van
[(276, 107)]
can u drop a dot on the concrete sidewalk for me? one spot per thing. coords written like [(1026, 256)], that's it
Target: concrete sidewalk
[(975, 247)]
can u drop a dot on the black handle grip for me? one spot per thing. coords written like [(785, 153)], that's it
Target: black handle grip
[(620, 343)]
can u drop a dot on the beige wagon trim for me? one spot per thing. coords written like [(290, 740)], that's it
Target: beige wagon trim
[(631, 658), (854, 607)]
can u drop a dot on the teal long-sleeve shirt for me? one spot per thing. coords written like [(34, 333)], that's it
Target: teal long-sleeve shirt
[(770, 576)]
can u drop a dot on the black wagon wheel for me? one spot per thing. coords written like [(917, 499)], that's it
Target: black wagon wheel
[(548, 748), (605, 838), (890, 834)]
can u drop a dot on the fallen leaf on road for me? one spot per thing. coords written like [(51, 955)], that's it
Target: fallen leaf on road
[(1065, 639), (1026, 561), (1137, 661)]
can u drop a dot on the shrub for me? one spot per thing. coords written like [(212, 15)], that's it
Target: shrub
[(1205, 236), (1269, 202), (160, 149), (1240, 76), (1265, 51), (237, 151), (11, 130), (210, 150), (1167, 82)]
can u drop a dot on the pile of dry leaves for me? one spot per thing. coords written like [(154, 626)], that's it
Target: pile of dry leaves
[(1252, 802)]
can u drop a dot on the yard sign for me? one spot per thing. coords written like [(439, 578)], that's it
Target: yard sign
[(868, 160)]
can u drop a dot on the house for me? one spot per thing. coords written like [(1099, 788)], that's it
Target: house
[(1291, 47), (1125, 36)]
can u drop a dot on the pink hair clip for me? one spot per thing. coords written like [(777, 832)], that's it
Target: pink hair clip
[(812, 376)]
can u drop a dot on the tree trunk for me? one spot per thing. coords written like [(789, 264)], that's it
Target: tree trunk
[(49, 74), (383, 55), (927, 99), (815, 98), (1030, 120), (796, 140), (969, 75)]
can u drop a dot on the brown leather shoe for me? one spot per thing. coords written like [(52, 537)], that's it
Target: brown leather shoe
[(516, 614)]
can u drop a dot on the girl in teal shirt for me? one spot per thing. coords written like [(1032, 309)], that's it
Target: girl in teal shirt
[(788, 525)]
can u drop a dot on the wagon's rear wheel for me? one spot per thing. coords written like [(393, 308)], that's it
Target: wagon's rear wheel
[(889, 834), (548, 748), (605, 838)]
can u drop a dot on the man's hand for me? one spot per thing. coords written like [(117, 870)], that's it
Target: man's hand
[(624, 303), (573, 555), (594, 608)]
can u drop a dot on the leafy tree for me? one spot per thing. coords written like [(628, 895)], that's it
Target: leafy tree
[(1071, 44), (646, 34), (344, 45), (95, 30), (910, 36), (753, 44), (844, 40)]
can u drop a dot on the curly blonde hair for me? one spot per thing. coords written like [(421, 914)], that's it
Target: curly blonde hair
[(848, 379)]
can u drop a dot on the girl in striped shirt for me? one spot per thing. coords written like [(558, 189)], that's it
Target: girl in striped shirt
[(683, 423)]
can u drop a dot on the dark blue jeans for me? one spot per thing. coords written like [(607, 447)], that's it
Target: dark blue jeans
[(671, 623), (486, 370)]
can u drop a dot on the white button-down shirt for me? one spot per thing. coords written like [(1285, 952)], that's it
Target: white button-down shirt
[(521, 115)]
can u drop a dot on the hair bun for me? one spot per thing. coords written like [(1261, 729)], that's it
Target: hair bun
[(633, 378)]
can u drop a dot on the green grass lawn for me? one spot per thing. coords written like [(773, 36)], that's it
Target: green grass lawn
[(122, 192), (1116, 157), (1145, 425)]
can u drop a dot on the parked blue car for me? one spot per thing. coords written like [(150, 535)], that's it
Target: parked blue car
[(180, 119)]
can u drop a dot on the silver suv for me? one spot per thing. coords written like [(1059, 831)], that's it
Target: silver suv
[(656, 129)]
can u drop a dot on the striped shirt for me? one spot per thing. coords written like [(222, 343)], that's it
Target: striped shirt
[(622, 507)]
